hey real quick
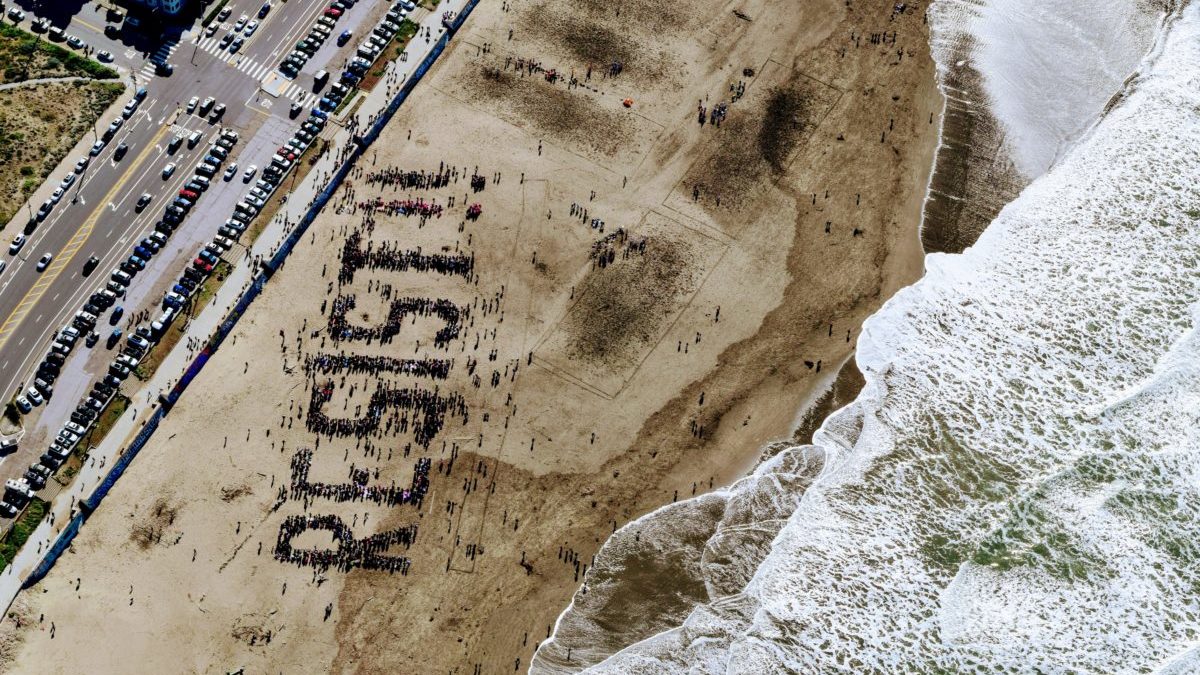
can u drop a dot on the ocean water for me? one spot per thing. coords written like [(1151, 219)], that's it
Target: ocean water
[(1016, 489), (1049, 67)]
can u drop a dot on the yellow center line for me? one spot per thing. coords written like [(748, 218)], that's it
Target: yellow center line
[(95, 28), (72, 247)]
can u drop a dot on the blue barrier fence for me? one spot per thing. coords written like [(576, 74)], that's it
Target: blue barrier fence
[(358, 146)]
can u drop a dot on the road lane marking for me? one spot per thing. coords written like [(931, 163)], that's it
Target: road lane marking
[(69, 250), (85, 23)]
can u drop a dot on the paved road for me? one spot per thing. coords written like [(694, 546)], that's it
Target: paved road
[(98, 217)]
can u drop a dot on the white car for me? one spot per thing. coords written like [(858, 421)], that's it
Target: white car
[(35, 397), (168, 170), (68, 181), (250, 171), (231, 171), (81, 164), (250, 28), (44, 262), (57, 194), (17, 242), (192, 103), (104, 55)]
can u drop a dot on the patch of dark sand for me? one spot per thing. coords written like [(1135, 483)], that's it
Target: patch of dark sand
[(569, 117)]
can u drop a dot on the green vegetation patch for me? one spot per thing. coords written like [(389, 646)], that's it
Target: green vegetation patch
[(108, 418), (39, 124), (26, 56), (19, 534)]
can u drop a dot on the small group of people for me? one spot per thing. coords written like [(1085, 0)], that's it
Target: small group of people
[(604, 251)]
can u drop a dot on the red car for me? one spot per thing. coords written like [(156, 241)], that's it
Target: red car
[(188, 194), (201, 265), (335, 13)]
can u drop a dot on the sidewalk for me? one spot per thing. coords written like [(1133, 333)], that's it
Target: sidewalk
[(145, 400)]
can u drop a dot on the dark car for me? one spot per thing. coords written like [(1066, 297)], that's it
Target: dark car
[(113, 338), (91, 339), (163, 68), (120, 152), (90, 265)]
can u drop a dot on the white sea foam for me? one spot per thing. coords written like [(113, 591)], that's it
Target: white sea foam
[(1049, 66), (1018, 485)]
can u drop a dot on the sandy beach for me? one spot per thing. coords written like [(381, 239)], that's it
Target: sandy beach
[(407, 454)]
